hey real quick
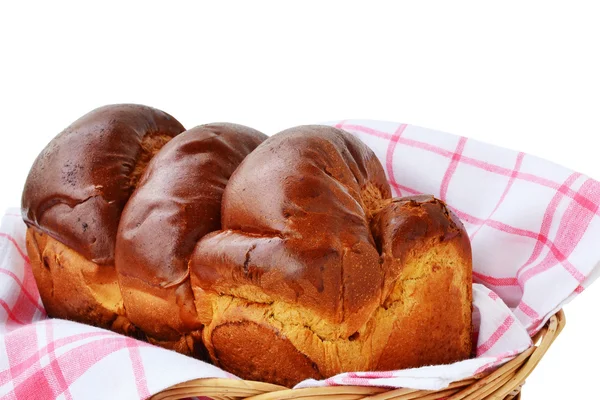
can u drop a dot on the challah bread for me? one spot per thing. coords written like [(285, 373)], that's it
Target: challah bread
[(177, 202), (278, 259), (72, 203), (317, 271)]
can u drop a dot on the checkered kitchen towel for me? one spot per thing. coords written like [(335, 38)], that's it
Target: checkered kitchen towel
[(534, 227)]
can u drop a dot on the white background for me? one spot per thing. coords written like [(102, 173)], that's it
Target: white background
[(523, 76)]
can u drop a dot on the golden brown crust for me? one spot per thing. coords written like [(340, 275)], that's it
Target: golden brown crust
[(177, 202), (404, 226), (259, 352), (313, 248), (80, 182), (74, 288), (426, 254)]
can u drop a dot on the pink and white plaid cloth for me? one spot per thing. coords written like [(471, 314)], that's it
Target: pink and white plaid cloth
[(534, 228)]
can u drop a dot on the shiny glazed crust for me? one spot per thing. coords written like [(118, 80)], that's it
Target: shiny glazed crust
[(279, 261), (177, 202), (314, 252), (72, 203), (79, 184)]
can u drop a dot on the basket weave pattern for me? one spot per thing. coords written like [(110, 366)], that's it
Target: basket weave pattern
[(502, 383)]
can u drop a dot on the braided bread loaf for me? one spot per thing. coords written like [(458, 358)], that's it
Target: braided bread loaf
[(276, 259)]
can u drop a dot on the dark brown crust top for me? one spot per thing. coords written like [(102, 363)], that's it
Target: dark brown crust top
[(79, 184), (296, 224), (177, 202)]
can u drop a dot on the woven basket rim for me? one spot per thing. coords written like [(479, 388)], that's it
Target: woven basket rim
[(503, 383)]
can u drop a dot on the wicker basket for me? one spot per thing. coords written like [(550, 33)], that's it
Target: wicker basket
[(503, 383)]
